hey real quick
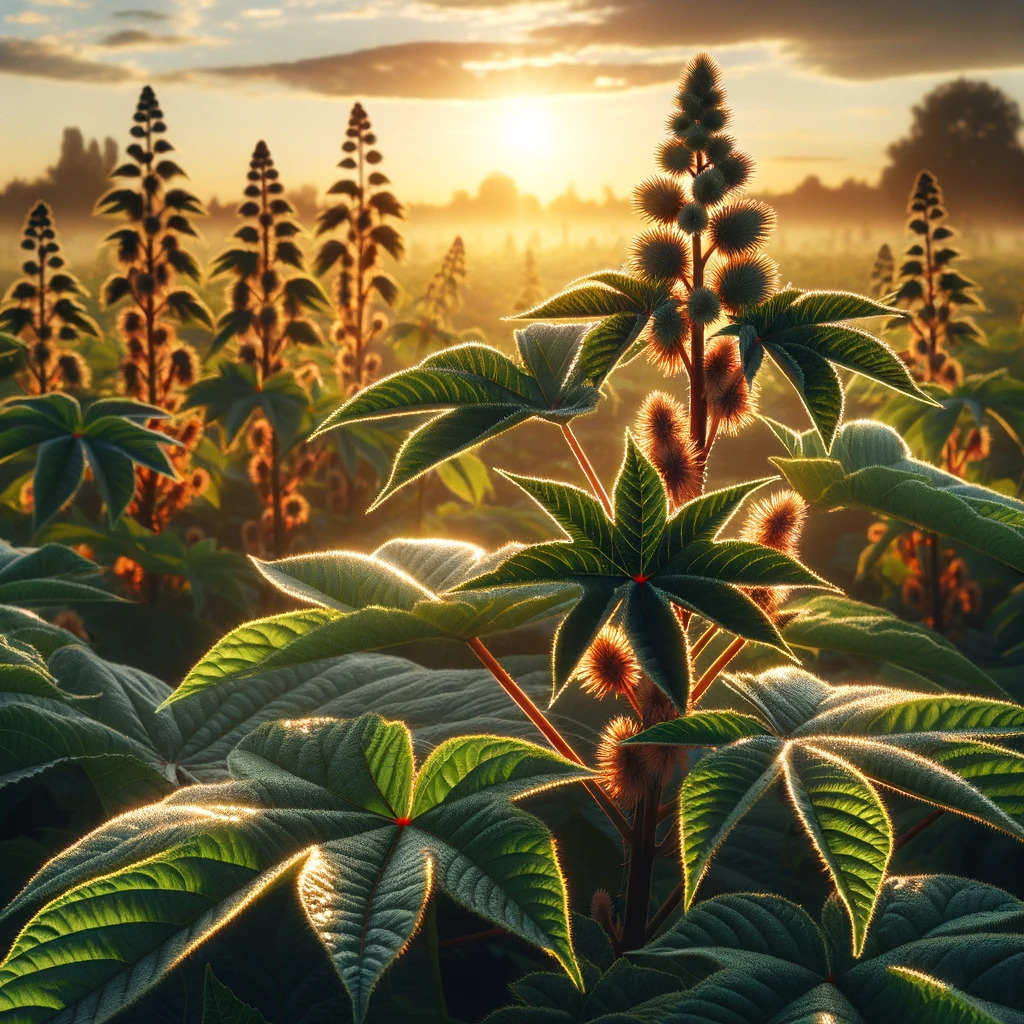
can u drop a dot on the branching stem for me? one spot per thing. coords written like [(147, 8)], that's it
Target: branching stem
[(588, 469), (550, 733), (716, 668)]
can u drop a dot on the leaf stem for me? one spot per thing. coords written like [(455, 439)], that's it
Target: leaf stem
[(434, 952), (551, 734), (716, 668), (588, 469), (915, 830), (703, 640)]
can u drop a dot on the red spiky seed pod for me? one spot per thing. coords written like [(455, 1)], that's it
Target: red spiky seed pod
[(777, 521), (667, 334), (733, 404), (622, 768), (609, 667), (660, 424)]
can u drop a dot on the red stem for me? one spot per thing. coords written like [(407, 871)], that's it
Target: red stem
[(588, 469)]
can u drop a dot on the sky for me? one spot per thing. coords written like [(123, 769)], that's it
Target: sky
[(550, 92)]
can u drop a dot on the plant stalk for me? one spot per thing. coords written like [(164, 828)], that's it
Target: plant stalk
[(550, 733), (716, 669), (641, 870), (588, 469)]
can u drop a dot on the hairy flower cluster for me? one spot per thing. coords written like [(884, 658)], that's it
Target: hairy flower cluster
[(44, 310), (932, 291), (359, 232)]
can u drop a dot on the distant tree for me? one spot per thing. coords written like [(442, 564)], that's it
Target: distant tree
[(531, 291), (883, 273), (967, 133), (80, 172)]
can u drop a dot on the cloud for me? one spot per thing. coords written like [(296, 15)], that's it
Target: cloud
[(140, 14), (42, 58), (27, 18), (870, 39), (451, 70), (139, 39)]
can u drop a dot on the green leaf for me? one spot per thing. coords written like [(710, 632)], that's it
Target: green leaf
[(870, 467), (48, 576), (472, 393), (770, 964), (807, 334), (656, 561), (222, 1006), (112, 436), (369, 602), (833, 623), (327, 798), (833, 745), (933, 1002), (848, 824)]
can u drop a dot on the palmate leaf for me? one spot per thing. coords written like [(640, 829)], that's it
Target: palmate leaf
[(833, 746), (626, 304), (337, 801), (235, 393), (472, 393), (645, 563), (399, 594), (111, 437), (977, 401), (869, 466), (78, 708), (49, 576), (956, 941), (808, 335), (833, 623)]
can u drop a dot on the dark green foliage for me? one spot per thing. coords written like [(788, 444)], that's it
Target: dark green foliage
[(110, 436)]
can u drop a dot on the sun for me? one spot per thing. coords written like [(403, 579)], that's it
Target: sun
[(523, 128)]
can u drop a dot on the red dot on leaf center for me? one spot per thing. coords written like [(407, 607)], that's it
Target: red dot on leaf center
[(77, 433), (641, 578), (402, 822)]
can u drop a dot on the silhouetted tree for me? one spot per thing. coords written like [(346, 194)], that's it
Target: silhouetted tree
[(968, 133), (80, 172)]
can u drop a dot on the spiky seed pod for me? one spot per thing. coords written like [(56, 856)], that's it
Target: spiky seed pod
[(609, 667), (654, 703), (675, 157), (913, 594), (721, 361), (703, 306), (777, 521), (667, 334), (745, 281), (714, 118), (622, 769), (296, 510), (742, 227), (693, 218), (660, 254), (701, 75), (602, 910), (696, 136), (185, 364), (199, 481), (660, 424), (73, 370), (709, 186), (735, 170), (658, 199), (720, 148)]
